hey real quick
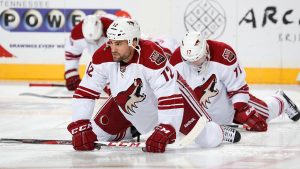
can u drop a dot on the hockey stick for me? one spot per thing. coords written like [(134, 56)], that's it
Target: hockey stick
[(122, 144), (190, 137), (203, 119), (51, 97), (98, 144), (46, 85), (181, 144), (239, 126), (45, 96)]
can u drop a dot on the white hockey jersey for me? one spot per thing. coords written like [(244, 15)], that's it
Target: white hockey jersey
[(219, 85), (76, 44), (168, 44), (145, 89)]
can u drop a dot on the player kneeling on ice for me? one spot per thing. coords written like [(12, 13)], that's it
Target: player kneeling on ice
[(213, 71), (146, 92), (89, 34)]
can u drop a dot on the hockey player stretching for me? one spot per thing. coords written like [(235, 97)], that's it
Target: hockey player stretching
[(213, 71), (146, 92), (89, 34)]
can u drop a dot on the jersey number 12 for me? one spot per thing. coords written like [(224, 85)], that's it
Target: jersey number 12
[(168, 74)]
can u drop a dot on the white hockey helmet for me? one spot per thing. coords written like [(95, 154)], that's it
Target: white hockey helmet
[(194, 47), (124, 29), (92, 28)]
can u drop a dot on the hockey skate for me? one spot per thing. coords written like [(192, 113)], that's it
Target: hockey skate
[(230, 135), (135, 133), (291, 110)]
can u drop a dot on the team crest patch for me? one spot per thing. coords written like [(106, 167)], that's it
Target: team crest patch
[(157, 58), (228, 55)]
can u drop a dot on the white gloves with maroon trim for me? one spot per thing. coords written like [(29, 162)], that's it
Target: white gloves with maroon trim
[(163, 134)]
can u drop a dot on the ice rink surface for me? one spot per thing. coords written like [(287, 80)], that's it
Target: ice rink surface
[(41, 118)]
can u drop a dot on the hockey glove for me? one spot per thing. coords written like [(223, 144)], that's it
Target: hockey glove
[(72, 79), (83, 137), (247, 115), (163, 134)]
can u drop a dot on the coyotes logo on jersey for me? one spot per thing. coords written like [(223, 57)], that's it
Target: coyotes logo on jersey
[(127, 99), (207, 90)]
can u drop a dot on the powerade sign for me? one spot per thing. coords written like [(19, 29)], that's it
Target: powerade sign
[(45, 20)]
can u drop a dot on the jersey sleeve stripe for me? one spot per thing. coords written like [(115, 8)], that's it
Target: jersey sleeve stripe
[(71, 56), (265, 114), (258, 105), (89, 90), (165, 107), (243, 90), (82, 92), (170, 101), (168, 97)]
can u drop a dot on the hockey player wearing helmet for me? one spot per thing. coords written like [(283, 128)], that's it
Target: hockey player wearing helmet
[(124, 39), (89, 34), (146, 92), (215, 74), (92, 28)]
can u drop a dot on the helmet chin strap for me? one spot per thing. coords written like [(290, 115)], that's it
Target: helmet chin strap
[(138, 49)]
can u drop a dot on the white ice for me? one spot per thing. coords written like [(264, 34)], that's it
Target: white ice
[(40, 118)]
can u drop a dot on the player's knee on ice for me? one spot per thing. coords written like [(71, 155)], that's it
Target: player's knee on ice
[(211, 136)]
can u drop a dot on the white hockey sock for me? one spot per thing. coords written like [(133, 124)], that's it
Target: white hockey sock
[(275, 105)]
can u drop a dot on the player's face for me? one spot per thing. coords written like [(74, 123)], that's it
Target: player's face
[(120, 50), (204, 58), (200, 61)]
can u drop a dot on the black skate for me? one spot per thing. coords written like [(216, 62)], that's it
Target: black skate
[(292, 110), (135, 133), (230, 135)]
